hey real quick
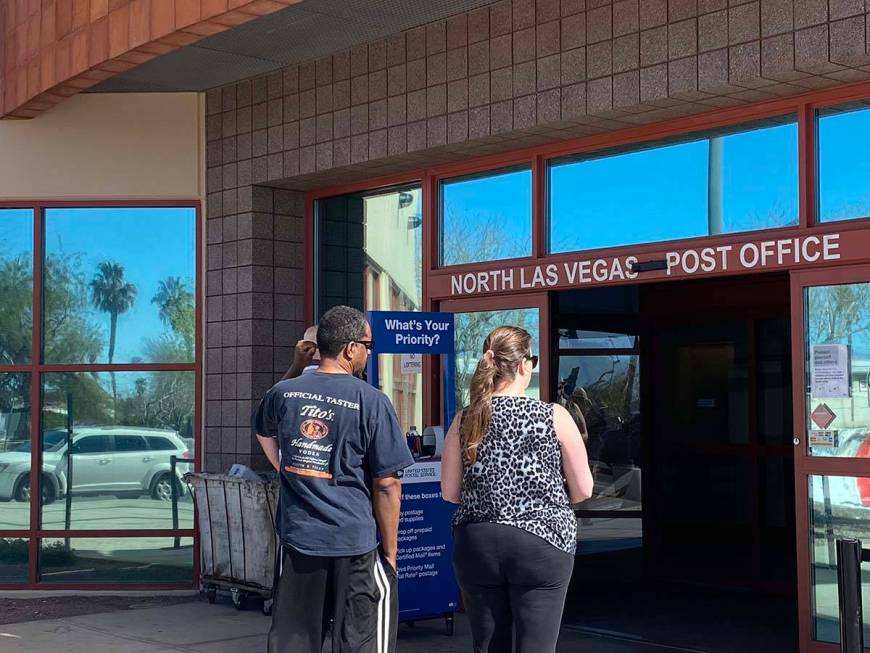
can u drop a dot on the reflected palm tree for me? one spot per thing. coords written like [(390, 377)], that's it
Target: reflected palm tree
[(171, 296), (112, 294)]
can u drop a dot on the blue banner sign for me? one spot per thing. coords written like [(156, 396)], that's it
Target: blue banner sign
[(405, 332), (427, 586)]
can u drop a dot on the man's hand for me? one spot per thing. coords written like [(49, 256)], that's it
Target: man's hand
[(303, 354)]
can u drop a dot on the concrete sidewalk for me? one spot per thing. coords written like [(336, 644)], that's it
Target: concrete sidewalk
[(198, 627)]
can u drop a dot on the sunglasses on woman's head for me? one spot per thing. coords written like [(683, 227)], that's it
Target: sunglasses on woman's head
[(534, 359)]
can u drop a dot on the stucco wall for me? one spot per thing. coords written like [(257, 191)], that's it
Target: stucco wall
[(106, 146)]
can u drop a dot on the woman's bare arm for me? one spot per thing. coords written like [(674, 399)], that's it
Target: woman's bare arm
[(575, 462), (451, 464)]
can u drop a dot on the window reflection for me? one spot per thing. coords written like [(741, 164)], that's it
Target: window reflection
[(104, 301), (118, 464), (603, 392), (724, 183), (116, 560), (16, 285), (486, 218), (471, 329), (844, 167), (839, 508), (837, 368), (371, 257), (14, 451), (14, 557)]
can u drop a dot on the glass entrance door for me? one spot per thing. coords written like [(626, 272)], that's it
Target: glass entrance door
[(831, 350)]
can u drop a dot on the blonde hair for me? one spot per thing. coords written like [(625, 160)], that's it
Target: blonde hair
[(504, 350)]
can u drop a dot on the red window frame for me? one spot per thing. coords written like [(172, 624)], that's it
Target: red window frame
[(36, 368)]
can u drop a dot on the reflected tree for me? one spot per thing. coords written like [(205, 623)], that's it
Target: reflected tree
[(68, 333), (478, 239), (177, 310), (16, 309), (112, 294), (839, 313)]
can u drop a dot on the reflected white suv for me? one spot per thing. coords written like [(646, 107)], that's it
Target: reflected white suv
[(111, 460)]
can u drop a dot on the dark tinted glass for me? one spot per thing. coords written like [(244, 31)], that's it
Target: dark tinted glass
[(130, 443), (16, 285), (486, 218), (104, 300), (844, 165), (727, 183), (160, 444), (92, 444)]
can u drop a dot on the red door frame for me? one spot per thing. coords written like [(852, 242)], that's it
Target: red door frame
[(35, 533), (805, 464)]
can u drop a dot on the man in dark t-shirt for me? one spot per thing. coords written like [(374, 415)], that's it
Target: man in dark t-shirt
[(338, 448)]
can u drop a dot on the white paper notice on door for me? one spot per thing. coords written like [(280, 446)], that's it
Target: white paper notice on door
[(412, 363), (830, 371)]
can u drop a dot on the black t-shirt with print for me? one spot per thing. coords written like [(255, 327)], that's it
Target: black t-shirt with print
[(336, 434)]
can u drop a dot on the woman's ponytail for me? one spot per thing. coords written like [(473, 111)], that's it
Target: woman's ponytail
[(504, 350)]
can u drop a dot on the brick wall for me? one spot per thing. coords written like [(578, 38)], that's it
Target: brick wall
[(525, 72), (254, 309), (507, 75)]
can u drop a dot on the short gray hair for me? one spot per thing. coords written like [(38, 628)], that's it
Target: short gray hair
[(339, 326)]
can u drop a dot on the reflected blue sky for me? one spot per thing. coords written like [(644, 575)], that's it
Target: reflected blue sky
[(844, 166), (661, 194), (151, 243), (487, 218), (16, 233)]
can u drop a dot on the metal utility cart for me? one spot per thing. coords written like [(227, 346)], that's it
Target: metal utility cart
[(238, 543)]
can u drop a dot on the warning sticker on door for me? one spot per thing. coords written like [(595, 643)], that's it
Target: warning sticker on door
[(823, 416)]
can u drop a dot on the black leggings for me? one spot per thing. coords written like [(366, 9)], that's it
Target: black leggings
[(514, 585)]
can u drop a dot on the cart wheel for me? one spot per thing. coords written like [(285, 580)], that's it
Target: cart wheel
[(267, 607), (211, 594), (448, 622), (240, 598)]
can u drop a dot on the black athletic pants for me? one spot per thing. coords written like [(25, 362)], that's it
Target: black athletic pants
[(514, 585), (334, 605)]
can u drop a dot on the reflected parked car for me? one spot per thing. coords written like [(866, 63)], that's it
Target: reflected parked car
[(112, 460)]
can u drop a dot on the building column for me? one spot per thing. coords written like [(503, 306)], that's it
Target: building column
[(254, 311)]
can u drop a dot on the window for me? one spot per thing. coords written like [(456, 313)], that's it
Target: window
[(130, 443), (115, 560), (92, 444), (104, 301), (486, 218), (839, 508), (472, 328), (115, 354), (844, 167), (370, 256), (16, 285), (727, 182), (160, 444)]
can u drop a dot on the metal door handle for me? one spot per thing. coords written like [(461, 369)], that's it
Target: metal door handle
[(105, 461), (147, 459)]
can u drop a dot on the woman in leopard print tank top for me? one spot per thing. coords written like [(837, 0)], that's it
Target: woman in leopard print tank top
[(514, 465)]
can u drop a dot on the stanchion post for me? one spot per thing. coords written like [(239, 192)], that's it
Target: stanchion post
[(849, 589), (173, 463), (69, 469)]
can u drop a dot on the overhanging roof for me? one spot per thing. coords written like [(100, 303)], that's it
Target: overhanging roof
[(309, 30)]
